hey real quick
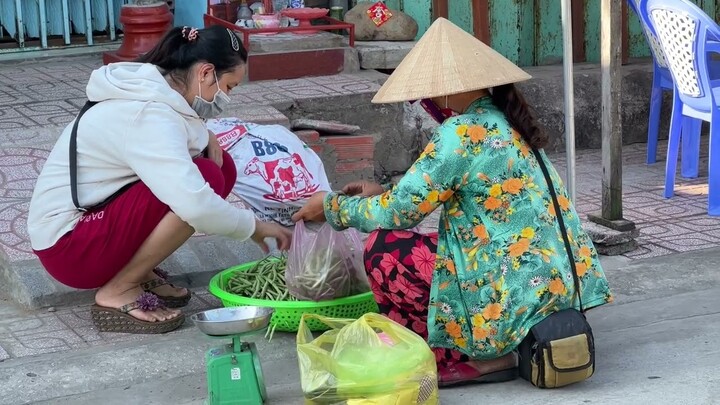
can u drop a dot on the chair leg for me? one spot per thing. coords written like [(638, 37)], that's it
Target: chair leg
[(673, 146), (714, 168), (690, 138), (654, 120)]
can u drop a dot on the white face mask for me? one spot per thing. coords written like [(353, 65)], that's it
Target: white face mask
[(211, 109)]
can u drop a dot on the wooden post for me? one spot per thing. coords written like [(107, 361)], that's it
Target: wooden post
[(578, 28), (611, 117), (481, 20), (610, 62), (439, 9)]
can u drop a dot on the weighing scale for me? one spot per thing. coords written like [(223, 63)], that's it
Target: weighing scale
[(234, 374)]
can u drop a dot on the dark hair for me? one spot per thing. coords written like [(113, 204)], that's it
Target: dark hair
[(517, 111), (178, 50)]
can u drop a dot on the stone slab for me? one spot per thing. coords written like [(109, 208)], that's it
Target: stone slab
[(352, 61), (620, 225), (326, 127), (382, 55), (618, 249), (608, 237), (289, 42)]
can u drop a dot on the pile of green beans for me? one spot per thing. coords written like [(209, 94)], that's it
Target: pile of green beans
[(264, 281)]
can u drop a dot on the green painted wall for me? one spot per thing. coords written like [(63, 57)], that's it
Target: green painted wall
[(548, 32), (592, 31), (526, 30), (529, 32), (460, 13), (420, 10), (505, 34)]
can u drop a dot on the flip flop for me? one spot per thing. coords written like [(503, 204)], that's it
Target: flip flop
[(119, 320), (168, 300), (463, 374)]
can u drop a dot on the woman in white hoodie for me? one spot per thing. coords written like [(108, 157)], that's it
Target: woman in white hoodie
[(132, 184)]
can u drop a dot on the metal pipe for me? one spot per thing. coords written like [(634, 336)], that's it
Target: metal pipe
[(66, 22), (88, 23), (43, 24), (20, 24), (111, 18), (569, 96)]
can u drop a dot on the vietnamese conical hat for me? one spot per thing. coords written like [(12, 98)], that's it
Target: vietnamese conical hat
[(447, 61)]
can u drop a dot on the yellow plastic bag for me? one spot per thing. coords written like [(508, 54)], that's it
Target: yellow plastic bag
[(368, 361)]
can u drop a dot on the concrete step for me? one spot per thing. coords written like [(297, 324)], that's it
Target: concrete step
[(382, 55), (289, 42)]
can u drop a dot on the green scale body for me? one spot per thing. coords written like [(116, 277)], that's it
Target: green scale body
[(234, 375)]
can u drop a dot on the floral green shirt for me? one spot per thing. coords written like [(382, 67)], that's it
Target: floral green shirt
[(501, 263)]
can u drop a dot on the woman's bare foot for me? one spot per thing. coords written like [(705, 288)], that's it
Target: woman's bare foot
[(116, 296)]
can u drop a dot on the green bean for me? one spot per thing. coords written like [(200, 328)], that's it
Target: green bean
[(265, 280)]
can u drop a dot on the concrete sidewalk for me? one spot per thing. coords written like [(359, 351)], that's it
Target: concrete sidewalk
[(655, 345)]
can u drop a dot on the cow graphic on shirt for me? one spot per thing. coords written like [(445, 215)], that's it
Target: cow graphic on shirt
[(288, 177)]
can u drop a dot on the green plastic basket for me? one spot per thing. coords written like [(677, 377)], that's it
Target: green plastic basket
[(288, 313)]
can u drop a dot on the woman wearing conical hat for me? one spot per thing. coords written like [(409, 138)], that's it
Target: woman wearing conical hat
[(499, 264)]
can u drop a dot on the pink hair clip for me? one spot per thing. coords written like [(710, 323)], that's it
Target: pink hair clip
[(189, 33)]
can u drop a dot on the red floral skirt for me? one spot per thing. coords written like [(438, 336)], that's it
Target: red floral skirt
[(400, 266)]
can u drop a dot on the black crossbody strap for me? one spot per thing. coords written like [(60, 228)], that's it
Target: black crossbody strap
[(561, 222), (73, 156)]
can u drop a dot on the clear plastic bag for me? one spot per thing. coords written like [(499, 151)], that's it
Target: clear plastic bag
[(369, 361), (326, 264)]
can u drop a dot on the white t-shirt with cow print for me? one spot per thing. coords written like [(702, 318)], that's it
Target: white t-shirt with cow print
[(277, 172)]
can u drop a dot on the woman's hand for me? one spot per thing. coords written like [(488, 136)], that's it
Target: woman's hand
[(215, 152), (363, 189), (313, 211), (264, 230)]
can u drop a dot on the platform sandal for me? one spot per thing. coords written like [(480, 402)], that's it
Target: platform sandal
[(169, 301), (119, 320)]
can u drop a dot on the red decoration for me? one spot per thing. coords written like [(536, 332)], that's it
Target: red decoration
[(379, 13)]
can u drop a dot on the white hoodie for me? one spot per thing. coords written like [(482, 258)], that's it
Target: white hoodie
[(141, 130)]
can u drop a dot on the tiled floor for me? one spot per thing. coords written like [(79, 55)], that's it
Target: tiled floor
[(36, 94), (39, 332), (679, 224)]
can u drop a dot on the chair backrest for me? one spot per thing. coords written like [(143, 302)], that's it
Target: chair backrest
[(684, 31), (655, 48)]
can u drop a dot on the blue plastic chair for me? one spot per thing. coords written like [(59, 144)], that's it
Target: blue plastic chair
[(688, 36), (663, 81)]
